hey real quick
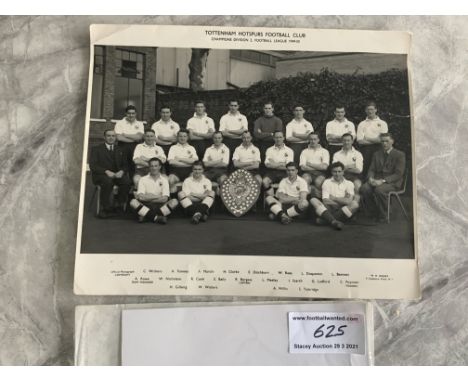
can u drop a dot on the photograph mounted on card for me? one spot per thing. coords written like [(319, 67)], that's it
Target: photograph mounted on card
[(248, 161)]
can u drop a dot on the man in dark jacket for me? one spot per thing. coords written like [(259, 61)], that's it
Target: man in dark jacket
[(385, 174), (108, 168)]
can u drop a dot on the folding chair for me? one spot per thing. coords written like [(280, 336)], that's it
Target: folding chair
[(97, 190), (397, 194)]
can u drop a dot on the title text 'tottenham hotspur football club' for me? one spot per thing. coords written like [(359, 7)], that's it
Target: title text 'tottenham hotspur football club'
[(259, 36)]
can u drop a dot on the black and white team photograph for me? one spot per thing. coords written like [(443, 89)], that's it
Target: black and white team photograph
[(248, 152)]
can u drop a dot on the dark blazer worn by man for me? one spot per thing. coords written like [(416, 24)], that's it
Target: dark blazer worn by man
[(387, 168), (104, 158)]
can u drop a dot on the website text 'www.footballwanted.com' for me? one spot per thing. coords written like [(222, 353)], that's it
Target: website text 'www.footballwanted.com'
[(324, 317), (319, 332)]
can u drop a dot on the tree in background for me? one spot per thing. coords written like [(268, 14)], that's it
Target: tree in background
[(197, 66)]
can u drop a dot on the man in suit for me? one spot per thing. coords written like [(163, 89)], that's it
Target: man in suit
[(385, 174), (108, 168)]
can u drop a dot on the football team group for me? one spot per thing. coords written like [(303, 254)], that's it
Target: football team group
[(166, 166)]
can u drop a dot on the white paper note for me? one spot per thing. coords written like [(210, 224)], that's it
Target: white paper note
[(326, 332), (238, 335)]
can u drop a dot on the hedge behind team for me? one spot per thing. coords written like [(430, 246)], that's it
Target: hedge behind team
[(166, 141)]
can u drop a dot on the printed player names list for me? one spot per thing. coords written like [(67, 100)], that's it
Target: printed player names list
[(227, 280)]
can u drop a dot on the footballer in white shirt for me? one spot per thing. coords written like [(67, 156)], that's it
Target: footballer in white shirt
[(314, 162), (180, 158), (297, 132), (336, 128), (129, 132), (165, 129), (216, 160), (197, 195), (276, 158), (201, 129), (291, 197), (247, 156), (338, 203), (352, 160), (232, 125), (152, 200), (368, 134), (143, 153)]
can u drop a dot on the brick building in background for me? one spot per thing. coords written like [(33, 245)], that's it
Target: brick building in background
[(122, 76)]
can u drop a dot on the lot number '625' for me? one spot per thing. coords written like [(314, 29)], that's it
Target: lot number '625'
[(330, 331)]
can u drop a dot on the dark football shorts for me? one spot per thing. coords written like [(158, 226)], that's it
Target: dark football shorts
[(213, 173), (181, 172), (352, 177), (275, 175), (142, 171)]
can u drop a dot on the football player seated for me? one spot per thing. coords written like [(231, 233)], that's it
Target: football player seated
[(291, 197), (152, 201), (197, 195), (338, 202)]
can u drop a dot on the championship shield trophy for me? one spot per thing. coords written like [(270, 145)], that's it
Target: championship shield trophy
[(240, 192)]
